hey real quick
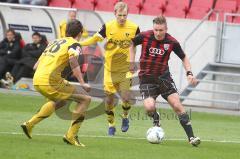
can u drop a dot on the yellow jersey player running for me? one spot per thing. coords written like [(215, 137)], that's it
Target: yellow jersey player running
[(118, 34), (47, 80)]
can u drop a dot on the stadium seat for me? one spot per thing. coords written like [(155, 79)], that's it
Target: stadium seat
[(182, 3), (236, 19), (134, 6), (196, 13), (85, 4), (238, 4), (106, 5), (61, 3), (156, 2), (151, 9), (226, 5), (161, 3), (204, 4), (221, 17), (174, 11)]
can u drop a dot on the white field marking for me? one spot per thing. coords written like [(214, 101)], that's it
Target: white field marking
[(119, 137)]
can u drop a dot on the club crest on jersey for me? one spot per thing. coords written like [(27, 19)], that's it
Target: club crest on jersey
[(166, 46)]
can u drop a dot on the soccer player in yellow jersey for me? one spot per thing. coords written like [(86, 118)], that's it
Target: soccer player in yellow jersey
[(72, 15), (118, 34), (47, 80)]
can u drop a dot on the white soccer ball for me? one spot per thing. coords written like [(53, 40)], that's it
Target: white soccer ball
[(155, 135)]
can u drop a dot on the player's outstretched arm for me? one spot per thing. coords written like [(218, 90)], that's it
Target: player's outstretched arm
[(77, 72), (92, 40), (187, 66)]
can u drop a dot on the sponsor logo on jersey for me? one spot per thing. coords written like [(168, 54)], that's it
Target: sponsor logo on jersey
[(156, 51)]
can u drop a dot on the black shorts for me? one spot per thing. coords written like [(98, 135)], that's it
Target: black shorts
[(153, 87)]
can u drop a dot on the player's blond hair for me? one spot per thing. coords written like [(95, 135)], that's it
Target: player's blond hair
[(160, 20), (120, 6)]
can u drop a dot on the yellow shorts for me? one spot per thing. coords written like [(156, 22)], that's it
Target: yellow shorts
[(116, 82), (62, 91)]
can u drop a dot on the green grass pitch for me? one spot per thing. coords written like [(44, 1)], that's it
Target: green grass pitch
[(220, 135)]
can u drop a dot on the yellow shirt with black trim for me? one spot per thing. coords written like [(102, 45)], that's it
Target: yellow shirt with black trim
[(117, 55), (54, 60), (62, 30)]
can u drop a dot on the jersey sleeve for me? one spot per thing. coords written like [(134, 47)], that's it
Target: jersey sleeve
[(138, 39), (102, 31), (74, 50), (178, 50), (137, 31)]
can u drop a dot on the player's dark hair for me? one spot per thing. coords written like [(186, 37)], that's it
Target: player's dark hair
[(36, 34), (160, 20), (74, 27)]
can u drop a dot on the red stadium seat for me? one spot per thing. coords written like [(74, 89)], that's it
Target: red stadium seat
[(175, 11), (226, 5), (106, 5), (213, 17), (153, 7), (205, 4), (171, 8), (133, 5), (84, 4), (236, 19), (179, 3), (61, 3), (196, 13), (157, 2), (161, 3), (238, 4)]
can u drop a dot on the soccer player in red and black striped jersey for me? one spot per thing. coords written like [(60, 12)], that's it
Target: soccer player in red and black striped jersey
[(154, 76)]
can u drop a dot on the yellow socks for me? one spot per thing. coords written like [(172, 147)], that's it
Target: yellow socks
[(126, 107), (75, 125), (45, 111), (110, 115)]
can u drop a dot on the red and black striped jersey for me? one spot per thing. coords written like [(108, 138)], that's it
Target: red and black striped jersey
[(155, 53)]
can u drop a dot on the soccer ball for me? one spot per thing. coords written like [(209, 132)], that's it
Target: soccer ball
[(155, 135)]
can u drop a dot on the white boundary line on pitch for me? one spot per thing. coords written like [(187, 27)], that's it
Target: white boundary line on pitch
[(118, 137)]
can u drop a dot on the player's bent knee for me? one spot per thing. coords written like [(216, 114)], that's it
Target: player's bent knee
[(60, 103), (109, 100), (150, 108), (126, 97), (88, 99), (81, 98), (149, 105), (85, 99)]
